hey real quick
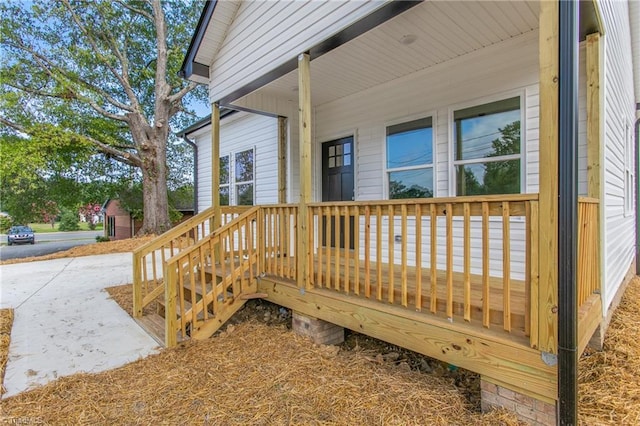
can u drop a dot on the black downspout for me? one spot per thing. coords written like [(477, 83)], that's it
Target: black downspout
[(637, 154), (567, 212), (195, 173)]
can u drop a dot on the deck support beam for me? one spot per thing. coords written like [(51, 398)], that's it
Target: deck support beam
[(304, 113), (548, 205)]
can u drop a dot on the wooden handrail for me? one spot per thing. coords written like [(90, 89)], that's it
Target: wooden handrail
[(152, 255), (196, 296)]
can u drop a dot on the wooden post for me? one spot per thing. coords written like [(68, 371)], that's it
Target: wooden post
[(304, 112), (593, 115), (137, 285), (282, 160), (215, 166), (170, 323), (548, 204)]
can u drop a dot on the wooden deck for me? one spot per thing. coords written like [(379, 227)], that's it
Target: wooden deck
[(417, 294)]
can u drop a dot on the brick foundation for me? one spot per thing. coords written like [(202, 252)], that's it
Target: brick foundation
[(526, 408), (321, 332)]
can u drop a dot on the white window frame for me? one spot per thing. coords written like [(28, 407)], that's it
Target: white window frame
[(228, 184), (629, 172), (520, 93), (434, 145), (238, 183)]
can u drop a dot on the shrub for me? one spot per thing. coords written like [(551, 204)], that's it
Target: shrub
[(69, 221), (5, 223), (102, 239)]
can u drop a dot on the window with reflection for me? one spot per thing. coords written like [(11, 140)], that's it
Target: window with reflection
[(224, 180), (244, 177), (409, 149), (487, 148)]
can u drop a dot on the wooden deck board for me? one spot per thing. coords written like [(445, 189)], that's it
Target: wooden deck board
[(381, 293)]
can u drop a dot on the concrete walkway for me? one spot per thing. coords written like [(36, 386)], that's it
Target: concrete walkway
[(65, 322)]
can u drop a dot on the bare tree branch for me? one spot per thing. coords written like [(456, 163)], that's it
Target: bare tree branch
[(119, 155), (135, 10), (47, 65), (125, 84), (179, 95), (122, 156)]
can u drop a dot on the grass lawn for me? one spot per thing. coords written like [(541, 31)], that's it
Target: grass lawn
[(46, 227)]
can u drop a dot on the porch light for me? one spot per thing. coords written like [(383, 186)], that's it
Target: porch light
[(408, 39)]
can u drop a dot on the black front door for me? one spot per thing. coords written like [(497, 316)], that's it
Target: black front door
[(337, 181)]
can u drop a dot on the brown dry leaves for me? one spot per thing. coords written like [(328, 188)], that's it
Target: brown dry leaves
[(110, 247), (6, 322)]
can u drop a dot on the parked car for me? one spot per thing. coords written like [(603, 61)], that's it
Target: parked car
[(20, 234)]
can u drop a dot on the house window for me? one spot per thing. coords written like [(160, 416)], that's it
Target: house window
[(111, 226), (410, 159), (629, 175), (487, 148), (224, 180), (244, 178)]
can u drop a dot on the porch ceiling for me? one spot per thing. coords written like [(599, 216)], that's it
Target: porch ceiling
[(440, 31)]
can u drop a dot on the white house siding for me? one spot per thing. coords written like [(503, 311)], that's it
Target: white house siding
[(255, 43), (507, 69), (240, 132), (634, 21), (619, 235), (285, 108)]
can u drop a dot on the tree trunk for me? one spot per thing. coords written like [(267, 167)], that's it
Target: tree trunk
[(154, 188)]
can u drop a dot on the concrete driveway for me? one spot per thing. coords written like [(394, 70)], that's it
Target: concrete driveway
[(65, 322)]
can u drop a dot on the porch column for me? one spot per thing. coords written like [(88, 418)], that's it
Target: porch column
[(304, 112), (594, 122), (215, 167), (282, 160), (547, 299)]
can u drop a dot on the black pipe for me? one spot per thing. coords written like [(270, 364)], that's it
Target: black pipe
[(195, 173), (567, 212), (637, 154)]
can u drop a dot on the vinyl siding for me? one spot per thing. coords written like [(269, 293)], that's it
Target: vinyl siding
[(240, 132), (255, 43), (619, 229)]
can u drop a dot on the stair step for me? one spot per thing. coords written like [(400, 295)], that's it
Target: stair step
[(209, 271), (153, 324)]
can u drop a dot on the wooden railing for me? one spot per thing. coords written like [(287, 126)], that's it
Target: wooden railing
[(148, 260), (279, 239), (205, 282), (588, 262), (465, 258)]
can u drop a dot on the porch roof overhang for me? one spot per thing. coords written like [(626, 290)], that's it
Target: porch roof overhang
[(383, 46)]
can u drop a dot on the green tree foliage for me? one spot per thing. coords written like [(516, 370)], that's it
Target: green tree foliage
[(503, 177), (399, 190), (500, 177), (69, 221), (80, 78)]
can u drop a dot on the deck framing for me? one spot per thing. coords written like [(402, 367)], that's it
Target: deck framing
[(486, 352)]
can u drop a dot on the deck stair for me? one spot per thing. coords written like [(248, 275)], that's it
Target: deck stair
[(204, 284)]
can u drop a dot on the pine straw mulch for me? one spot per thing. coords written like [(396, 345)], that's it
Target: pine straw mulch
[(109, 247), (609, 381), (6, 322), (254, 374), (261, 373)]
